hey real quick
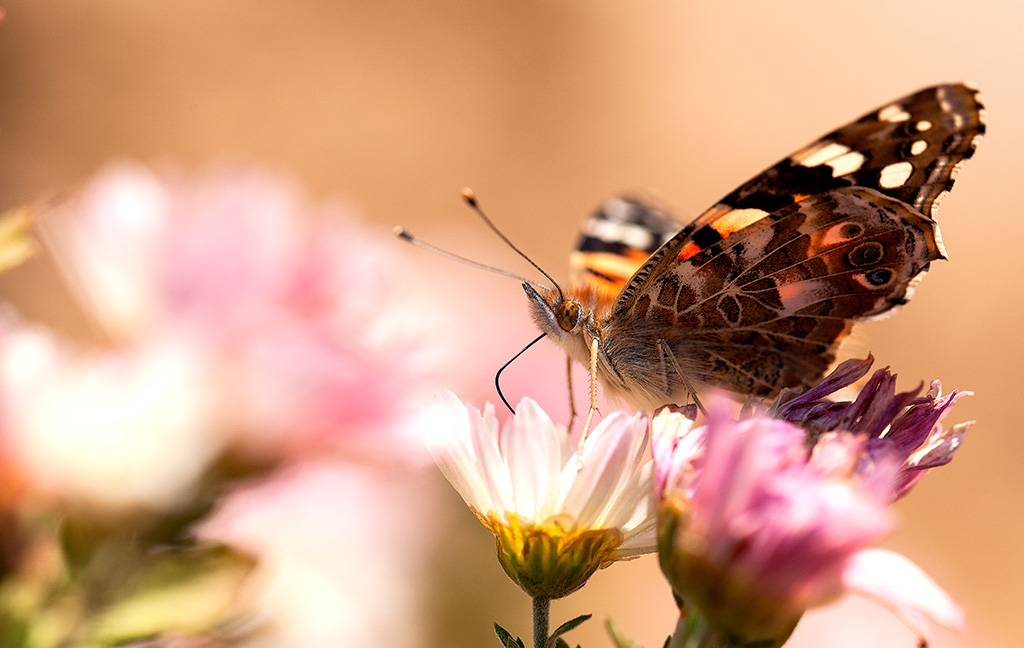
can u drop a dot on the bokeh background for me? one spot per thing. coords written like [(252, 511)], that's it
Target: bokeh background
[(546, 108)]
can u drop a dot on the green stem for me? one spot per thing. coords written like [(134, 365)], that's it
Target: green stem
[(541, 621), (693, 632)]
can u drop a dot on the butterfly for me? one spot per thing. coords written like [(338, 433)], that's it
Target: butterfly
[(758, 292)]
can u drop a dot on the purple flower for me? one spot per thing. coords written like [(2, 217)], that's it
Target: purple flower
[(902, 426)]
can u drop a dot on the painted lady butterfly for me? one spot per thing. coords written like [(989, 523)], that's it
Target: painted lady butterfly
[(757, 293)]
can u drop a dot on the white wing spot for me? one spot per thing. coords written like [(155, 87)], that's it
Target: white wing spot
[(617, 209), (820, 153), (840, 157), (895, 175), (736, 220), (846, 163), (923, 125), (893, 113), (918, 147)]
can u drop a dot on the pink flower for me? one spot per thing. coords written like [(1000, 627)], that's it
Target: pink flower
[(754, 528)]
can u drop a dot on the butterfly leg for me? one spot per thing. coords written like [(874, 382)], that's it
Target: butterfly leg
[(572, 395), (593, 397), (665, 351)]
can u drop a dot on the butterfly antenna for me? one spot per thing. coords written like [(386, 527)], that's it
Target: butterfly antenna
[(497, 376), (470, 198), (403, 234)]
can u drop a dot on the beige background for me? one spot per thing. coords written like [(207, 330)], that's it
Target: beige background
[(546, 108)]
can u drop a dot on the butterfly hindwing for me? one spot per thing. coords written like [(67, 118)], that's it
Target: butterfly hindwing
[(768, 306)]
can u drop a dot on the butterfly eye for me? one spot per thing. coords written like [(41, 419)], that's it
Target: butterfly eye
[(568, 314)]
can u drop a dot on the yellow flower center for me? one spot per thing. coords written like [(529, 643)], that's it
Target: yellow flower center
[(551, 559)]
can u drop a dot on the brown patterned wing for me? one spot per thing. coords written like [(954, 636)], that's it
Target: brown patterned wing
[(909, 150), (766, 307)]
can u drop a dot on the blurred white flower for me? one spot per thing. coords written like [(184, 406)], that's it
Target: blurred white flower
[(123, 429)]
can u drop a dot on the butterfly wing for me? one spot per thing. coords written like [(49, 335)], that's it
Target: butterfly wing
[(758, 292), (910, 150), (616, 240)]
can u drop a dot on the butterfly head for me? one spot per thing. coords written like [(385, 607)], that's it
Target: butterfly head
[(554, 314), (566, 318)]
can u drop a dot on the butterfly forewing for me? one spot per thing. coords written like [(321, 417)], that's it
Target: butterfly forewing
[(909, 150)]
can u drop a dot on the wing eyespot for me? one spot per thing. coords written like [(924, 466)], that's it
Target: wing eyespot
[(866, 254), (851, 230), (879, 276)]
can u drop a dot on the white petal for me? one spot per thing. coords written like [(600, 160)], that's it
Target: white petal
[(450, 442), (490, 463), (610, 457), (532, 452)]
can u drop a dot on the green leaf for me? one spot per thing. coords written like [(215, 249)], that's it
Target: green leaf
[(569, 624), (80, 540), (179, 591), (566, 627), (506, 638)]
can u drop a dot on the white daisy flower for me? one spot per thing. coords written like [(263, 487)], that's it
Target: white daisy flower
[(557, 516)]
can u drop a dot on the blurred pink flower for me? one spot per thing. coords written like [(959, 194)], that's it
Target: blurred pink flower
[(238, 319), (754, 528), (293, 307)]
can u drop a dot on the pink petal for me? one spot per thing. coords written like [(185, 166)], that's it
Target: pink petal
[(895, 582)]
